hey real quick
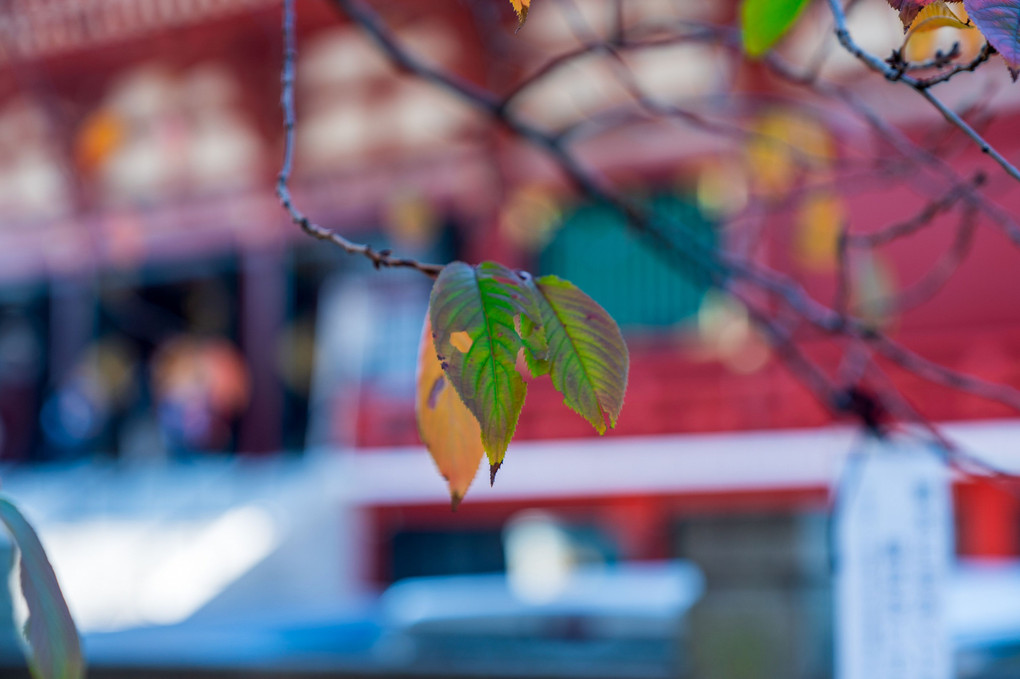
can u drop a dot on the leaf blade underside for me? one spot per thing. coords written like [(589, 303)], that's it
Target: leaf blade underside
[(999, 22), (588, 360)]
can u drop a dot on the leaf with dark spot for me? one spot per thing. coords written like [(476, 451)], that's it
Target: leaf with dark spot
[(587, 357), (478, 309), (447, 428)]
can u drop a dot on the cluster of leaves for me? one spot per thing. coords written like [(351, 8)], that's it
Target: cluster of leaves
[(765, 22), (487, 328)]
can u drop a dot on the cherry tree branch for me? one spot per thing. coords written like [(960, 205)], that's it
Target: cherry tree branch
[(728, 271), (922, 87), (379, 258)]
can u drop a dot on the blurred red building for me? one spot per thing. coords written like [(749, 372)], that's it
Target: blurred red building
[(141, 243)]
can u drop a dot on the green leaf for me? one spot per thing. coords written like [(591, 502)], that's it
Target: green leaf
[(764, 22), (536, 349), (50, 631), (475, 312), (588, 360)]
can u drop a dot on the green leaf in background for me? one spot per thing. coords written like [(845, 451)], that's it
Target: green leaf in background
[(476, 313), (50, 631), (588, 360), (764, 22)]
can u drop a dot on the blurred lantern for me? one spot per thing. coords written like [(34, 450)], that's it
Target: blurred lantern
[(99, 136), (819, 219), (722, 189), (783, 145), (33, 181), (529, 217), (223, 147)]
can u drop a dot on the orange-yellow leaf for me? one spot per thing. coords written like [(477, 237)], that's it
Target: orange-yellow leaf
[(521, 7), (819, 219), (784, 144), (447, 428), (932, 17)]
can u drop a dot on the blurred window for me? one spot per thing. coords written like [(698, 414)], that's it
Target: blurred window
[(638, 287), (417, 553)]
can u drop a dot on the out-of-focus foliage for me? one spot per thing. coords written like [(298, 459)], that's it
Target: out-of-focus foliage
[(764, 22), (49, 630)]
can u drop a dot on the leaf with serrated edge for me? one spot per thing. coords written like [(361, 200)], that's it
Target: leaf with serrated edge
[(588, 360), (50, 630), (932, 17), (764, 22), (909, 9), (521, 7), (485, 302), (447, 428), (999, 22)]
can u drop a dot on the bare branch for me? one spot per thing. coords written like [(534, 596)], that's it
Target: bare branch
[(379, 258), (894, 74)]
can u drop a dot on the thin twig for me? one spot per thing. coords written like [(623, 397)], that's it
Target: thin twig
[(379, 258), (893, 74)]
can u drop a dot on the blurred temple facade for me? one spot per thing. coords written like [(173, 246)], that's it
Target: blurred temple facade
[(159, 311)]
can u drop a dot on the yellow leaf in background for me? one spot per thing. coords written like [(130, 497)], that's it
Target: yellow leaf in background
[(920, 47), (521, 7), (819, 218), (932, 17), (781, 145), (447, 428), (873, 290)]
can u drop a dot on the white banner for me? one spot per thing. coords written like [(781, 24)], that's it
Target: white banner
[(893, 555)]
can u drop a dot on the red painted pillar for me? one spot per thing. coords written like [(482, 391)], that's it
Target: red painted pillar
[(987, 520)]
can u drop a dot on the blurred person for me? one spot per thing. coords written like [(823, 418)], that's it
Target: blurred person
[(81, 415), (201, 386)]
